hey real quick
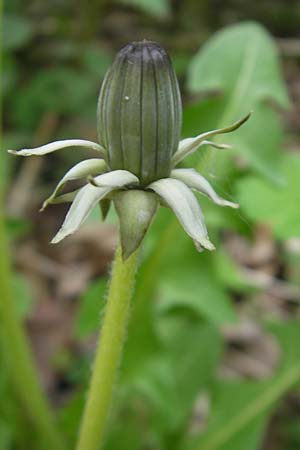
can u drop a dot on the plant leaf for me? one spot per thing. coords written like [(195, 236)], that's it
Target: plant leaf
[(184, 204), (241, 62), (250, 402), (17, 31), (277, 206), (158, 8), (260, 143), (194, 286), (171, 381)]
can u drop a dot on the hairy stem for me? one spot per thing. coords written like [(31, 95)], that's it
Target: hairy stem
[(113, 333), (20, 359)]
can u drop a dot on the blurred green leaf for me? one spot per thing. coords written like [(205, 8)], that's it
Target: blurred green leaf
[(61, 90), (12, 424), (229, 426), (195, 285), (17, 227), (172, 380), (9, 140), (241, 62), (70, 416), (96, 61), (229, 273), (290, 431), (4, 170), (90, 308), (124, 431), (239, 409), (6, 434), (10, 74), (260, 142), (180, 61), (17, 31), (159, 8), (276, 206), (192, 365), (22, 295), (201, 116)]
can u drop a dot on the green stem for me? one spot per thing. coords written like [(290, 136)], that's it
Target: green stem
[(20, 359), (109, 353)]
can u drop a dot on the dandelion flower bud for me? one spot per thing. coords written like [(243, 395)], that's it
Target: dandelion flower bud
[(139, 112)]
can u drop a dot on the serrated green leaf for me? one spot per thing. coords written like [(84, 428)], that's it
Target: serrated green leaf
[(276, 206)]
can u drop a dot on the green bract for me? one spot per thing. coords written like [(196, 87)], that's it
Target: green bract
[(139, 123)]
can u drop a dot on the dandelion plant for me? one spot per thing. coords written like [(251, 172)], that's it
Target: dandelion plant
[(139, 124)]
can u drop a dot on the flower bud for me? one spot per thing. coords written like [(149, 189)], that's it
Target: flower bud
[(139, 112)]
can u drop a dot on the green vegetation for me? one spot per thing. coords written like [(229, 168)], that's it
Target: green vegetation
[(211, 359)]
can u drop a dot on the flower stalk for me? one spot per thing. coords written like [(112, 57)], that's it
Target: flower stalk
[(108, 355)]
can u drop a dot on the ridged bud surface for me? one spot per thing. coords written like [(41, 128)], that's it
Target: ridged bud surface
[(139, 112)]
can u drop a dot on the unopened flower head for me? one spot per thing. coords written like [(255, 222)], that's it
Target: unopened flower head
[(139, 112), (139, 122)]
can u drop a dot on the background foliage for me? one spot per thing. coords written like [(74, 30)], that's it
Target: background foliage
[(212, 355)]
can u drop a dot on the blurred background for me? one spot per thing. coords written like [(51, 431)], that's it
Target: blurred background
[(212, 355)]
